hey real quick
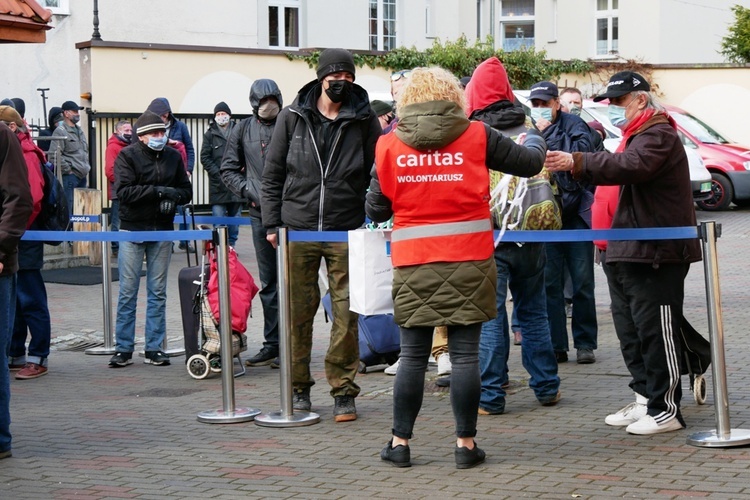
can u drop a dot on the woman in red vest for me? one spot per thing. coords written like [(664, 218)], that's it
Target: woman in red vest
[(431, 175)]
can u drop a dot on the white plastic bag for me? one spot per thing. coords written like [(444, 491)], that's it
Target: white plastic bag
[(370, 272)]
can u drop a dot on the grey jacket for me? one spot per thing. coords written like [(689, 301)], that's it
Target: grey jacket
[(74, 151)]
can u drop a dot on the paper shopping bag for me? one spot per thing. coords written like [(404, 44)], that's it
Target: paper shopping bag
[(370, 272)]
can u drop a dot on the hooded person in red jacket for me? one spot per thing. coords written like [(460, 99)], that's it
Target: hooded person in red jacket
[(120, 138)]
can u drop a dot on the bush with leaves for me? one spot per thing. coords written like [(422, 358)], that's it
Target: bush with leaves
[(736, 45), (524, 67)]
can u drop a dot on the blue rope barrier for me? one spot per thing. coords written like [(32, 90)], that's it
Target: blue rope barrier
[(199, 219), (629, 234), (203, 234), (86, 218)]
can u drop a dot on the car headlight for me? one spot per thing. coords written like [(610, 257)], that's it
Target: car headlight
[(746, 164)]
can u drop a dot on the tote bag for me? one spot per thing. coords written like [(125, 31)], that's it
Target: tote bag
[(370, 272)]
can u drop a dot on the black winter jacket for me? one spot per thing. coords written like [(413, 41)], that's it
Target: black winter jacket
[(245, 156), (140, 172), (655, 177), (305, 191), (212, 152)]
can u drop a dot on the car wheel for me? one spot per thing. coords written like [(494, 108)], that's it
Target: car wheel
[(722, 194)]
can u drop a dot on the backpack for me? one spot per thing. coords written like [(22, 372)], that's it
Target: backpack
[(54, 215)]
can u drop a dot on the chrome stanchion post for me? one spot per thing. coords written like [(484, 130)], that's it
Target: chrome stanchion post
[(724, 435), (108, 347), (228, 414), (287, 417)]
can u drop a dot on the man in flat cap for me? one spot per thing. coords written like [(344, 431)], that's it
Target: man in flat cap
[(646, 278), (316, 175), (73, 151)]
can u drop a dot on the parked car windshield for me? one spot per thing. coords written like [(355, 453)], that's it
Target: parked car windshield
[(697, 128)]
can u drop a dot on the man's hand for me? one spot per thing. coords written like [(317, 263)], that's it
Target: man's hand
[(167, 207), (272, 239), (542, 123), (559, 161)]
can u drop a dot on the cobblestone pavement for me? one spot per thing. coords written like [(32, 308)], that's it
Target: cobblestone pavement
[(88, 431)]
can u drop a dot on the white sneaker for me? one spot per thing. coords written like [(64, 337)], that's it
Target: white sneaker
[(444, 366), (391, 370), (647, 425), (630, 414)]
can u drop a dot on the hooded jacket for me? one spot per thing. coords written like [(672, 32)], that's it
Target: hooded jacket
[(212, 151), (247, 146), (115, 144), (655, 177), (176, 130), (15, 199), (140, 172), (305, 190), (447, 293)]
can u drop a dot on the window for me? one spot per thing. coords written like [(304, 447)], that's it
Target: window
[(61, 7), (283, 23), (607, 32), (382, 24), (517, 24)]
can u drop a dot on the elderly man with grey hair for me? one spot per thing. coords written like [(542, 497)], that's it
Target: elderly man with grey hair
[(646, 278)]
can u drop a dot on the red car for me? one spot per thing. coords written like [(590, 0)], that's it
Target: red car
[(728, 163)]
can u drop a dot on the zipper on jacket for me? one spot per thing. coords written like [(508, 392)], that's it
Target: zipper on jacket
[(320, 166)]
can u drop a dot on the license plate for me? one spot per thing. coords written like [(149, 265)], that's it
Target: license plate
[(705, 187)]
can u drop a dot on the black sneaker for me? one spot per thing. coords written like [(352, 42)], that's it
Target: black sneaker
[(301, 400), (468, 458), (400, 456), (344, 409), (585, 356), (264, 357), (156, 358), (121, 359), (276, 363), (561, 356)]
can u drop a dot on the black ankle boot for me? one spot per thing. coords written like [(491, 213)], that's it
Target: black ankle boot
[(400, 456)]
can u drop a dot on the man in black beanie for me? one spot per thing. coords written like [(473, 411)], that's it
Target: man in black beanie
[(150, 181), (316, 174)]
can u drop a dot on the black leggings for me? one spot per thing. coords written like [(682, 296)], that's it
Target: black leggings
[(408, 389)]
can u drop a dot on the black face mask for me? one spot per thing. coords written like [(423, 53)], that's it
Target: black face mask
[(126, 138), (339, 90)]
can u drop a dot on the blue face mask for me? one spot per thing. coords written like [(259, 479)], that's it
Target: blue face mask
[(157, 144), (616, 115), (545, 113)]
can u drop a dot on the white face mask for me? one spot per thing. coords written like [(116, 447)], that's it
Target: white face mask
[(268, 110), (222, 120)]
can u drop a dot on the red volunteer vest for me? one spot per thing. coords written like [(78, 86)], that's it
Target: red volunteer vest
[(440, 199)]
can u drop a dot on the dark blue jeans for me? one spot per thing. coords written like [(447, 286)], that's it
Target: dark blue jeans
[(578, 256), (521, 269), (265, 254), (32, 316), (7, 311), (408, 389), (70, 182), (114, 221), (228, 210)]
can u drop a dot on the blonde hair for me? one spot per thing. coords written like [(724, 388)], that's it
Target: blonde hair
[(431, 84)]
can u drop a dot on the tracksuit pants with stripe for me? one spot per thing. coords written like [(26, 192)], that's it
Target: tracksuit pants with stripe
[(647, 315)]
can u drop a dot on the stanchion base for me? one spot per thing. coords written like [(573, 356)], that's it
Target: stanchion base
[(179, 351), (709, 439), (295, 419), (224, 417), (100, 350)]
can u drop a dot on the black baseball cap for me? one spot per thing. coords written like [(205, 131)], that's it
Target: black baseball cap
[(544, 91), (623, 83), (71, 106)]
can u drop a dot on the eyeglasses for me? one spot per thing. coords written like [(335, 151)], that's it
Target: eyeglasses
[(398, 75)]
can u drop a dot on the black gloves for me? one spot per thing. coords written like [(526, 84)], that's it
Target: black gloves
[(167, 207), (167, 193)]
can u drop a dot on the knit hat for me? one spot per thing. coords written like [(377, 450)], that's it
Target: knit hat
[(149, 122), (20, 106), (222, 106), (8, 102), (333, 61), (9, 114), (381, 108)]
